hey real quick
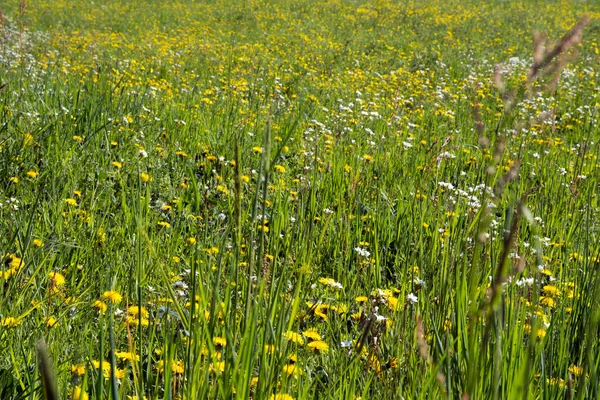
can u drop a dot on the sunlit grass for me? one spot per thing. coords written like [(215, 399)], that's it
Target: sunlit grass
[(309, 199)]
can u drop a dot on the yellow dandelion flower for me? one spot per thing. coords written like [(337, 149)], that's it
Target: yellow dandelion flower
[(177, 367), (105, 365), (10, 322), (312, 334), (113, 296), (38, 243), (164, 224), (78, 139), (361, 299), (279, 168), (32, 174), (269, 348), (294, 337), (128, 356), (281, 396), (100, 305), (551, 290), (145, 177), (78, 369), (117, 164), (135, 321), (15, 262), (71, 202), (79, 394), (548, 301), (51, 322), (257, 149), (291, 369), (331, 283), (574, 369), (392, 302), (319, 346), (57, 279), (135, 310), (219, 341)]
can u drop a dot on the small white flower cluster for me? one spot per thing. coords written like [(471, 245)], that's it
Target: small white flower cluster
[(362, 252)]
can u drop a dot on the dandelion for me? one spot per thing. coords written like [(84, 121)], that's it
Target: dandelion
[(574, 369), (78, 369), (128, 356), (279, 168), (548, 301), (79, 394), (51, 322), (71, 202), (113, 296), (551, 290), (392, 302), (312, 334), (38, 243), (281, 396), (134, 320), (164, 224), (145, 177), (218, 366), (177, 367), (269, 348), (105, 365), (135, 310), (10, 322), (117, 164), (331, 283), (319, 346), (257, 150), (57, 279), (291, 369), (78, 139), (32, 174), (190, 241), (14, 262), (361, 299), (294, 337), (219, 342)]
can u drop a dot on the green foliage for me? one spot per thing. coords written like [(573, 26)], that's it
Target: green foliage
[(319, 199)]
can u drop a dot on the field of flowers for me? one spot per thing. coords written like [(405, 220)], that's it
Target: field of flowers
[(308, 199)]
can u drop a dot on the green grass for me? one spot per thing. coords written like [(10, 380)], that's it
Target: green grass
[(193, 193)]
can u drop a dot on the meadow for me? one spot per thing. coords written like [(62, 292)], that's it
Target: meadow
[(309, 199)]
